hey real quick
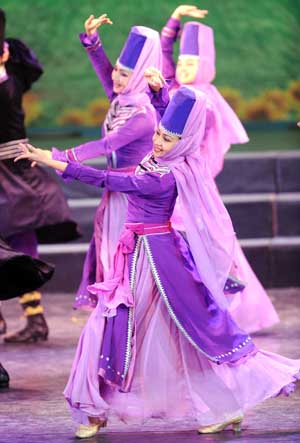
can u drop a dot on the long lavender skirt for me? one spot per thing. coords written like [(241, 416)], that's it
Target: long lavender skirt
[(108, 224), (251, 309), (171, 380)]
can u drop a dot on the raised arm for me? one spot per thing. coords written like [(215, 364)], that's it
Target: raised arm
[(93, 46), (170, 33), (136, 127)]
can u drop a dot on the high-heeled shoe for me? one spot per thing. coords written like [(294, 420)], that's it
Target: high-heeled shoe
[(235, 423), (86, 431)]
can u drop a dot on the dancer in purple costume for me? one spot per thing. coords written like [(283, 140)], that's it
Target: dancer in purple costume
[(33, 207), (160, 342), (126, 137), (196, 66), (252, 309)]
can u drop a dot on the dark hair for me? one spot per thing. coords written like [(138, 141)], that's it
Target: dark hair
[(2, 29)]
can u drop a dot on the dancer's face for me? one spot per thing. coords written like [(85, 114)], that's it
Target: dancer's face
[(186, 69), (163, 142), (120, 78)]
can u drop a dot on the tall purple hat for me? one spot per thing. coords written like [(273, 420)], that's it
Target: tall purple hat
[(132, 49), (178, 111), (198, 40), (2, 30), (141, 50)]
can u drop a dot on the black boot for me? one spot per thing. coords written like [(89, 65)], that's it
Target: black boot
[(2, 324), (4, 378), (36, 328)]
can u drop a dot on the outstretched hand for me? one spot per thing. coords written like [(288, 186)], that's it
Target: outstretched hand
[(92, 24), (154, 78), (35, 155), (189, 11)]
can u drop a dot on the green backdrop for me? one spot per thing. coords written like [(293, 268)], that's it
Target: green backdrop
[(257, 43)]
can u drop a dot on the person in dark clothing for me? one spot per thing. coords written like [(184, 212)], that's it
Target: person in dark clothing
[(32, 205), (19, 273)]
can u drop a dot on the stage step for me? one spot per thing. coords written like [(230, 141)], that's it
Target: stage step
[(253, 215), (260, 172)]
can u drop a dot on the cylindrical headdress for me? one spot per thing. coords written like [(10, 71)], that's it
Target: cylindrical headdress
[(197, 40)]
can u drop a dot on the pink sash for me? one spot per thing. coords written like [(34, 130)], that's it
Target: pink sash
[(115, 290)]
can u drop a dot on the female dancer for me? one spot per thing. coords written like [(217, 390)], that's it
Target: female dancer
[(251, 309), (32, 206), (127, 137), (160, 343), (196, 66)]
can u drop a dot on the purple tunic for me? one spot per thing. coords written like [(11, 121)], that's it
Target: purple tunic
[(127, 145), (151, 199)]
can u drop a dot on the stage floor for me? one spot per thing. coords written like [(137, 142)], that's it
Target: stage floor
[(33, 410)]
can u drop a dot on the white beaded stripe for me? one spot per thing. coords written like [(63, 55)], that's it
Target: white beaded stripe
[(170, 132), (165, 298), (130, 313), (248, 339), (125, 68), (85, 297), (172, 313)]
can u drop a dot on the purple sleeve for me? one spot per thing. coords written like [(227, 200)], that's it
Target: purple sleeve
[(136, 127), (59, 155), (146, 184), (160, 100), (169, 36), (99, 60)]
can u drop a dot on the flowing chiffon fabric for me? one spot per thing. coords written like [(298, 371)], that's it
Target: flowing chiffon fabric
[(113, 222), (252, 308), (171, 380), (108, 224)]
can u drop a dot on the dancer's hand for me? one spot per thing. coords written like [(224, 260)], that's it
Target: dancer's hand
[(189, 11), (92, 24), (154, 78), (35, 155)]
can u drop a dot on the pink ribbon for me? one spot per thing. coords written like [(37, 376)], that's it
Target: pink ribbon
[(115, 290)]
